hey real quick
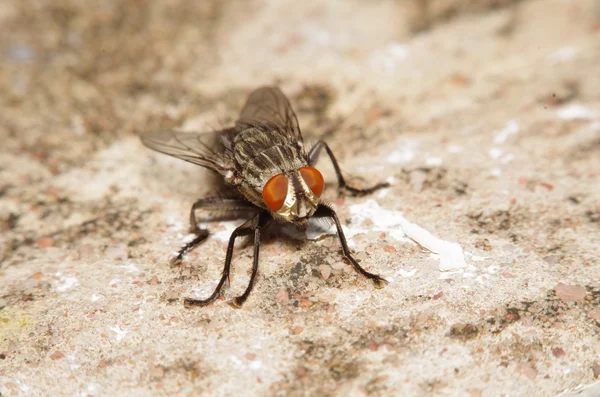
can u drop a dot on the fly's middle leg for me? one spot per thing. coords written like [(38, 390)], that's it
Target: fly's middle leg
[(313, 156), (221, 208)]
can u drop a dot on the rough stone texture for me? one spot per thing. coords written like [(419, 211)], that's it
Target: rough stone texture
[(573, 293), (484, 114)]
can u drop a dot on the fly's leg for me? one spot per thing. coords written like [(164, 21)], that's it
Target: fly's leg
[(313, 156), (239, 301), (249, 227), (201, 235), (325, 211), (212, 205), (243, 230)]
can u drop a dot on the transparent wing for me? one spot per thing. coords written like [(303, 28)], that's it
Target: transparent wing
[(204, 149), (268, 105)]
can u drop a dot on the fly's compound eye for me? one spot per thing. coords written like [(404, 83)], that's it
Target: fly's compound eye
[(313, 179), (275, 191)]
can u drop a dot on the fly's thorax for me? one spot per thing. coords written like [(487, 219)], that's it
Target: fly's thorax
[(251, 194), (263, 151), (254, 179)]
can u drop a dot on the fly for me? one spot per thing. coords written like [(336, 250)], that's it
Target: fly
[(268, 173)]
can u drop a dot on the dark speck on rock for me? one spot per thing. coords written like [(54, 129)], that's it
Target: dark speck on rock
[(463, 331), (596, 369)]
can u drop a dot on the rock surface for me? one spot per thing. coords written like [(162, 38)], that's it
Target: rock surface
[(484, 116)]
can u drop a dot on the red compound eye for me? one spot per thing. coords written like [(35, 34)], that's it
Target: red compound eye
[(313, 179), (275, 191)]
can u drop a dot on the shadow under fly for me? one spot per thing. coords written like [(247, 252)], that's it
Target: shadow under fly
[(269, 173)]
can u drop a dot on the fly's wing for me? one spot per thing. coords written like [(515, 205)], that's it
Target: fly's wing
[(205, 149), (269, 106)]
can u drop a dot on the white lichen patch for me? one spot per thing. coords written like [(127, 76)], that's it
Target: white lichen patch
[(226, 228), (130, 268), (404, 153), (590, 390), (511, 128), (393, 222), (389, 57), (576, 112), (65, 282), (433, 161), (119, 332)]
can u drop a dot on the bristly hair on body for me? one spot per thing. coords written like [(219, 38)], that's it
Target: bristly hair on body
[(269, 174)]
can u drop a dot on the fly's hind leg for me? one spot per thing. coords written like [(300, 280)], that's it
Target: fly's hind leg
[(223, 208), (343, 186)]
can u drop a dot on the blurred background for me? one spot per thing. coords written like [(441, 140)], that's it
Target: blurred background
[(484, 115), (87, 72)]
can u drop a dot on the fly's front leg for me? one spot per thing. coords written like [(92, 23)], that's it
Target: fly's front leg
[(212, 205), (313, 156), (265, 218), (325, 211), (249, 227)]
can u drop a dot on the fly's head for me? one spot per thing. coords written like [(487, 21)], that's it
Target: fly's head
[(294, 196)]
